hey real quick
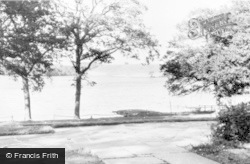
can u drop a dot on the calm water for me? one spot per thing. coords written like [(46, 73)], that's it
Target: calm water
[(115, 90)]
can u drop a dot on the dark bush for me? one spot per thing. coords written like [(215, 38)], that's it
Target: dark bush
[(233, 125)]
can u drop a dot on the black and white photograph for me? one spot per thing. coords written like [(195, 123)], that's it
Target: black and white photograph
[(124, 81)]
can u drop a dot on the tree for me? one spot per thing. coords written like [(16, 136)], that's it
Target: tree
[(96, 29), (27, 39), (221, 64)]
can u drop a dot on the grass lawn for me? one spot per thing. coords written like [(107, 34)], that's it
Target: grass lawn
[(14, 128), (224, 155), (116, 121)]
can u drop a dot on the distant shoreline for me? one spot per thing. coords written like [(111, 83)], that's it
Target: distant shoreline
[(126, 70)]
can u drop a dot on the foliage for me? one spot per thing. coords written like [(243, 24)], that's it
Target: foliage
[(27, 38), (233, 125), (230, 131), (97, 29), (219, 64)]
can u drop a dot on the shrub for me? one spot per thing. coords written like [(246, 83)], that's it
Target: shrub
[(233, 125)]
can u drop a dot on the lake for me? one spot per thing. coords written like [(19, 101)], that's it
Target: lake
[(118, 87)]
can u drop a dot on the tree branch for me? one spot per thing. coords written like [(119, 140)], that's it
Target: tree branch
[(89, 66)]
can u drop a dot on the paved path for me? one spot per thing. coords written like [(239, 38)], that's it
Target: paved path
[(151, 143)]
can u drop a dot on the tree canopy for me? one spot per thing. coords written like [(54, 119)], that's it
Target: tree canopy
[(28, 36), (97, 29), (220, 64)]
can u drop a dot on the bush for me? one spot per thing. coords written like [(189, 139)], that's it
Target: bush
[(233, 125)]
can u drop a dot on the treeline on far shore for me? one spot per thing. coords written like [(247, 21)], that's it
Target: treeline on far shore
[(61, 71), (56, 71)]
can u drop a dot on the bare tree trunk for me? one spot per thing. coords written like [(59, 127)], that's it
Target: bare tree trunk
[(78, 96), (217, 95), (78, 82), (26, 98)]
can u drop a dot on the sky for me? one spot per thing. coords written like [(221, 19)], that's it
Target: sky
[(162, 17)]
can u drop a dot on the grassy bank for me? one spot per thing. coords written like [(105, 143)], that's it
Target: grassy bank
[(15, 128), (43, 127), (111, 121)]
